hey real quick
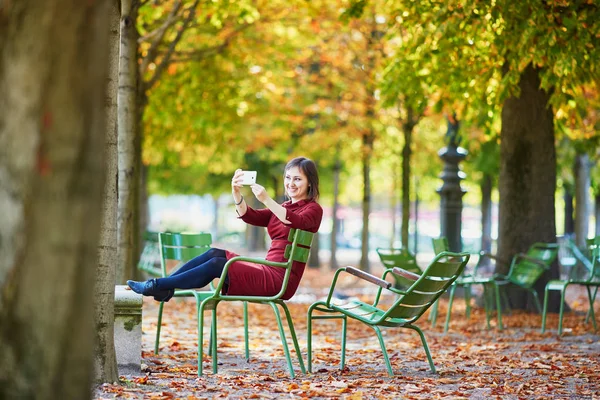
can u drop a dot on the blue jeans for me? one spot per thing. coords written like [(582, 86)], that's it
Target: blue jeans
[(196, 273)]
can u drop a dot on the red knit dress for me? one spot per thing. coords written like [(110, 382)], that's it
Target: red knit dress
[(251, 279)]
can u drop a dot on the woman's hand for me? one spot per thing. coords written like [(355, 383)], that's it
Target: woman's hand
[(260, 193), (236, 181)]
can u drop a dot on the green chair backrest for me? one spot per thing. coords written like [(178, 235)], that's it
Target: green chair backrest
[(524, 272), (440, 244), (434, 281), (181, 247), (395, 257), (302, 240), (150, 258)]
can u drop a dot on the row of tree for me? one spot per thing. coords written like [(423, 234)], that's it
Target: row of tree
[(195, 90)]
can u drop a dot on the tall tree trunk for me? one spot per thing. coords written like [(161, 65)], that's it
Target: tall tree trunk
[(569, 211), (215, 223), (128, 125), (52, 82), (582, 199), (407, 129), (367, 150), (394, 202), (105, 358), (313, 260), (335, 222), (486, 213), (527, 176)]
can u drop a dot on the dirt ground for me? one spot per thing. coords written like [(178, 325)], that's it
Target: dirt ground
[(472, 362)]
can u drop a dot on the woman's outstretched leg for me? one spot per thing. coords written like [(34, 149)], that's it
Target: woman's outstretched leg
[(201, 259), (194, 277)]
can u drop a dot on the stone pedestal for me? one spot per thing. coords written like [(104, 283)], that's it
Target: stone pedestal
[(128, 330)]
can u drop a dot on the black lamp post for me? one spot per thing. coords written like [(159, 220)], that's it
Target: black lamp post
[(451, 192)]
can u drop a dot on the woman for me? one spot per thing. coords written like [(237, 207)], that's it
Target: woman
[(301, 183)]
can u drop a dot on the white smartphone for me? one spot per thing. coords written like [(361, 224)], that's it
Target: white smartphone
[(249, 177)]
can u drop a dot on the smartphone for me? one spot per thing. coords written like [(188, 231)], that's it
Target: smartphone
[(249, 177)]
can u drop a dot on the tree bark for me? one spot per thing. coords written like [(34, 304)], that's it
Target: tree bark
[(407, 129), (105, 357), (52, 83), (367, 149), (582, 199), (128, 126), (527, 176), (335, 222), (486, 213), (569, 210)]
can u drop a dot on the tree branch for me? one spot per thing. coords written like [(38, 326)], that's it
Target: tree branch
[(167, 57), (158, 35)]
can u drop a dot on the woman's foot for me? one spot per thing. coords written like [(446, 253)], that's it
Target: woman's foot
[(149, 288)]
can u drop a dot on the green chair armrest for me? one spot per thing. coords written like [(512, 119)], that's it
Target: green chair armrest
[(368, 277), (405, 274)]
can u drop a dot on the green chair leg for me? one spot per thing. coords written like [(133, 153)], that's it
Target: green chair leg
[(343, 359), (545, 310), (434, 313), (467, 301), (537, 301), (214, 341), (288, 316), (309, 338), (587, 316), (486, 305), (158, 326), (200, 336), (383, 350), (498, 306), (591, 299), (450, 301), (561, 309), (425, 346), (286, 349), (246, 341)]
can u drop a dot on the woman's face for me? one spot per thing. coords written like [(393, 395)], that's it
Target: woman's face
[(296, 184)]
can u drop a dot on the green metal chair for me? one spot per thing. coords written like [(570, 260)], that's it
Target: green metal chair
[(524, 271), (297, 250), (593, 280), (182, 247), (401, 258), (405, 311)]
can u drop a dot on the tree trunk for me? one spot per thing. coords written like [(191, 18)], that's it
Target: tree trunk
[(569, 211), (486, 213), (104, 352), (335, 222), (394, 202), (407, 129), (52, 79), (582, 199), (313, 260), (366, 203), (527, 176), (128, 125)]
